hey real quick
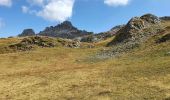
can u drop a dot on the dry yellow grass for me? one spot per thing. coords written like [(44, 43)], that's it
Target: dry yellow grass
[(7, 41), (69, 74), (104, 42), (66, 74)]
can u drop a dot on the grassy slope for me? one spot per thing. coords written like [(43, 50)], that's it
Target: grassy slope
[(67, 74)]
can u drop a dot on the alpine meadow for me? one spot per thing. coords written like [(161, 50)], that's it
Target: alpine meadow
[(69, 61)]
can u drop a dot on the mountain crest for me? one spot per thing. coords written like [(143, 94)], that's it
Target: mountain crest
[(64, 30), (27, 32), (65, 25)]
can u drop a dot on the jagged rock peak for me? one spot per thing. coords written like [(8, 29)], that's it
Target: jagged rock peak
[(27, 32), (65, 24), (63, 30)]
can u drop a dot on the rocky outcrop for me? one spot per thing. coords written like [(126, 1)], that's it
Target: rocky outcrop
[(138, 29), (70, 43), (135, 32), (29, 43), (27, 32), (64, 30)]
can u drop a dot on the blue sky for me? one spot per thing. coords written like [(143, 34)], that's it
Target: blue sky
[(91, 15)]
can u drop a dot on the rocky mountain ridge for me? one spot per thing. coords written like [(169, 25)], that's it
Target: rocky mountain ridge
[(67, 31), (27, 32), (64, 30), (137, 29)]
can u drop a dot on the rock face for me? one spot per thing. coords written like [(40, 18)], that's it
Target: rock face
[(27, 32), (64, 30), (138, 29)]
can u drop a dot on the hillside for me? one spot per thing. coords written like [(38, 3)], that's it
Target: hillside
[(56, 69)]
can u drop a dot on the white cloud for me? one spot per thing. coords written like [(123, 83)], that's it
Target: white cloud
[(2, 24), (116, 2), (52, 10), (57, 10), (7, 3), (25, 9), (36, 2)]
